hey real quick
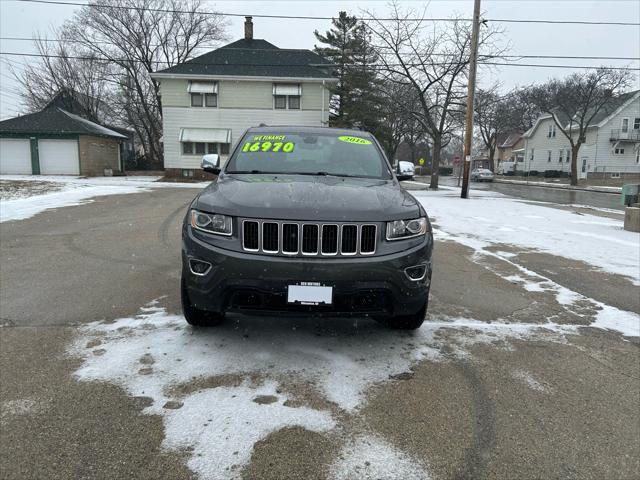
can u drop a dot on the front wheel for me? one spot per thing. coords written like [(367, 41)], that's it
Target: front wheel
[(195, 316)]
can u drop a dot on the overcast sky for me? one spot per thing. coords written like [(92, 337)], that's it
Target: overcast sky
[(20, 19)]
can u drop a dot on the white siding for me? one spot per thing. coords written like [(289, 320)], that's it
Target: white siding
[(598, 149), (606, 159), (541, 145), (242, 94), (238, 120)]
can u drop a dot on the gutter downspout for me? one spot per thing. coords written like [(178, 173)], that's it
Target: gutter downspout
[(322, 108)]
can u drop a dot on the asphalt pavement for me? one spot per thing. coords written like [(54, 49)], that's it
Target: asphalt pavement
[(485, 401)]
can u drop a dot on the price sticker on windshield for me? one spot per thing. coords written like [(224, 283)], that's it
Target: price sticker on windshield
[(268, 146), (356, 140)]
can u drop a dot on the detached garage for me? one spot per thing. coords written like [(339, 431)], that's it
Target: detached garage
[(56, 142)]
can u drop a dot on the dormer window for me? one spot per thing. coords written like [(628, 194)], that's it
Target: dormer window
[(286, 96), (203, 94)]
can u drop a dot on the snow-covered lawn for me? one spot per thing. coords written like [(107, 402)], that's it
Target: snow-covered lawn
[(489, 218), (69, 191)]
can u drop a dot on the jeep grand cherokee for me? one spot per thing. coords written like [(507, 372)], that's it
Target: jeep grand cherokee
[(306, 220)]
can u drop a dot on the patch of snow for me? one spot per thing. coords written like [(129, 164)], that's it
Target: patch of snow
[(603, 244), (77, 191), (21, 208), (220, 426), (369, 457)]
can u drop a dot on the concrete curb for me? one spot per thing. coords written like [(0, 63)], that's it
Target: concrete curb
[(612, 190)]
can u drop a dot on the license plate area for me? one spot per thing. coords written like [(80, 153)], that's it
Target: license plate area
[(310, 293)]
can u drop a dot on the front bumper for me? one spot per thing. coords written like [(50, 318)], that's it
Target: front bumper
[(254, 283)]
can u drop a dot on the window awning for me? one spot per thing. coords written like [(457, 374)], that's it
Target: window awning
[(202, 87), (286, 89), (518, 150), (212, 135)]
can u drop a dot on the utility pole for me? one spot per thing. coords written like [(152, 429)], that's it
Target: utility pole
[(468, 128)]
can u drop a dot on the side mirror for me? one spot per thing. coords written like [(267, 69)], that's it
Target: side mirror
[(211, 163)]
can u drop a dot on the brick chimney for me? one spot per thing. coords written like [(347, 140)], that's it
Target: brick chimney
[(248, 28)]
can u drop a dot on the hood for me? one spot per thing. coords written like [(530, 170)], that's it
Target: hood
[(301, 197)]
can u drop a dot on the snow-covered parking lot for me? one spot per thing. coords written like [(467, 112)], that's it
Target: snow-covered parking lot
[(528, 365)]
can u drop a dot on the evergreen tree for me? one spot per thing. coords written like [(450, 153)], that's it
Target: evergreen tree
[(355, 98)]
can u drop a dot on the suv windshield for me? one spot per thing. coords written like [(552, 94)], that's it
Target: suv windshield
[(308, 154)]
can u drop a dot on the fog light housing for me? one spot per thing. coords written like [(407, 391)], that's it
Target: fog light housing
[(416, 273), (199, 267)]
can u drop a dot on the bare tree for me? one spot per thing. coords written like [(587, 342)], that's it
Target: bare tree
[(490, 119), (58, 71), (433, 62), (135, 38), (575, 101)]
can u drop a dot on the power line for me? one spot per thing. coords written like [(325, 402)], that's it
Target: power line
[(157, 62), (512, 56), (308, 17)]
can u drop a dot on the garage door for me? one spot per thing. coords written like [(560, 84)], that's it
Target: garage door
[(58, 157), (15, 156)]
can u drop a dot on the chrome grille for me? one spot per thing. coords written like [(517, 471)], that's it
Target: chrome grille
[(329, 245), (250, 235), (308, 239)]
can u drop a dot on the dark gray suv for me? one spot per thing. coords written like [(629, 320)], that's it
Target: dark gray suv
[(306, 220)]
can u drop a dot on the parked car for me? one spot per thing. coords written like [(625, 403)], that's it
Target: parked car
[(481, 175), (506, 168), (406, 170), (306, 220)]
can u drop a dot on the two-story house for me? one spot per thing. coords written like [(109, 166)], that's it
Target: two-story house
[(611, 147), (209, 101)]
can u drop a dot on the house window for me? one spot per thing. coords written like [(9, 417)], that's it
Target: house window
[(204, 100), (294, 102), (625, 125), (286, 96), (549, 156), (224, 149), (202, 148), (552, 130), (196, 99), (187, 148), (619, 151), (210, 100), (187, 173), (636, 123), (560, 156), (280, 102), (568, 156)]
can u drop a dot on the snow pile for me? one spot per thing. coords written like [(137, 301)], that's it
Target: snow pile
[(490, 218)]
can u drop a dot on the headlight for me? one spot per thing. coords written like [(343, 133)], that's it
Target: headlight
[(400, 229), (211, 222)]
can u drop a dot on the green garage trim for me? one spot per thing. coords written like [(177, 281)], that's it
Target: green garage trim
[(35, 158)]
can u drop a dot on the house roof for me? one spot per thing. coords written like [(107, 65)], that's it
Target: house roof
[(511, 140), (610, 108), (55, 121), (254, 58)]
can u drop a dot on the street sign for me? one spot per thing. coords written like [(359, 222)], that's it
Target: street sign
[(421, 161)]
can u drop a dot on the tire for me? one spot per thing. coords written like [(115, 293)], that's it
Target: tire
[(406, 322), (195, 316)]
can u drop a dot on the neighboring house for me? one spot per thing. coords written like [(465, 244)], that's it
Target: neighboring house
[(611, 147), (57, 142), (511, 149), (208, 102)]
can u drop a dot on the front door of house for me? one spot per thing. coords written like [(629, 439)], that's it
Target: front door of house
[(584, 166)]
